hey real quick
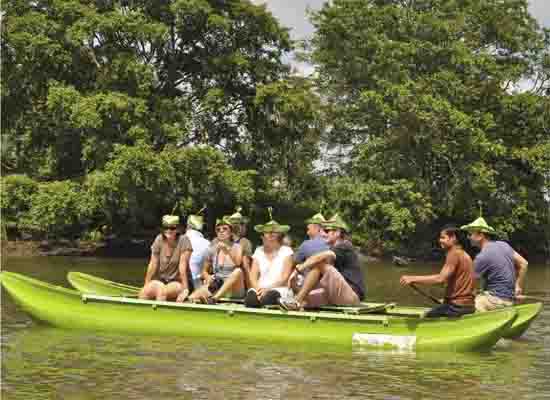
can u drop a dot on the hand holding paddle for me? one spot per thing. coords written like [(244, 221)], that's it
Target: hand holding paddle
[(408, 280)]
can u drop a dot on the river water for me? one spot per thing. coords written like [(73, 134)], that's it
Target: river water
[(41, 362)]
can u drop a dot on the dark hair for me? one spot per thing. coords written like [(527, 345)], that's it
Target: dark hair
[(453, 230)]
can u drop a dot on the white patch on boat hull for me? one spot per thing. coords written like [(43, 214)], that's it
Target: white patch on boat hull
[(380, 340)]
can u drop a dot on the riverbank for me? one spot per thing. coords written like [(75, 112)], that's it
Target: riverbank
[(129, 248), (140, 248), (76, 248)]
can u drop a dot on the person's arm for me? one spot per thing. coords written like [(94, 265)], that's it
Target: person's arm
[(184, 268), (321, 258), (206, 268), (255, 274), (520, 264), (436, 279), (151, 268), (288, 266)]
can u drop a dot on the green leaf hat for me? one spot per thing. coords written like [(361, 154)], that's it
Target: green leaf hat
[(316, 219), (237, 218), (336, 222), (170, 220), (271, 226), (479, 225)]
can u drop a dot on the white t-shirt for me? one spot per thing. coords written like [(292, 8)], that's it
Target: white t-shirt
[(271, 270), (200, 250)]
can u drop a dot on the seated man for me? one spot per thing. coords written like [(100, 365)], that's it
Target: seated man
[(457, 273), (317, 243), (221, 273), (341, 284), (501, 268), (168, 275), (195, 223)]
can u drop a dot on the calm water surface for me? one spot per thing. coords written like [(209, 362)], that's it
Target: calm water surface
[(40, 362)]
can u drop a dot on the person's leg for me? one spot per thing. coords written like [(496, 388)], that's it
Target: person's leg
[(270, 298), (200, 295), (251, 299), (310, 295), (482, 303), (173, 290), (441, 310), (233, 283), (338, 290), (154, 290), (311, 281), (449, 310)]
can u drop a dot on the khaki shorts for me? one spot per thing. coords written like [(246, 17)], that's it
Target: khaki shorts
[(332, 289), (488, 302)]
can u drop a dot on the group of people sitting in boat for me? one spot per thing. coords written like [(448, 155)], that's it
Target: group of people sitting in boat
[(324, 270)]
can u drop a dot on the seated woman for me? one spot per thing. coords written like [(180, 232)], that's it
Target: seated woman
[(221, 272), (167, 276), (271, 267)]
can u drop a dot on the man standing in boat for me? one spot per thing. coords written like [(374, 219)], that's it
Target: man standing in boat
[(335, 276), (457, 273), (167, 276), (501, 269)]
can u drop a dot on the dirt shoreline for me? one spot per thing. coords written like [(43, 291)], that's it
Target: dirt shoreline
[(132, 248)]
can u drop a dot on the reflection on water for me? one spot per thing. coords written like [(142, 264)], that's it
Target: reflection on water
[(41, 362)]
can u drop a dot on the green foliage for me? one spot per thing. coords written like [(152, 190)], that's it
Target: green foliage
[(16, 192), (423, 93), (54, 210), (385, 215)]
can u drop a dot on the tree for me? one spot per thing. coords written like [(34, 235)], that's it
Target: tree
[(425, 92), (82, 77)]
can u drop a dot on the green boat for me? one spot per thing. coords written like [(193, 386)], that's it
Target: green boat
[(67, 308), (90, 284)]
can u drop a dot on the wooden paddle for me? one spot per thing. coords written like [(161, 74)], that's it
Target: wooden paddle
[(423, 293), (522, 297)]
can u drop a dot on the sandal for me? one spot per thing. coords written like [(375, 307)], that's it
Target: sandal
[(290, 305), (211, 301)]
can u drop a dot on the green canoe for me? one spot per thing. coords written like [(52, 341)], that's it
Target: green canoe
[(90, 284), (70, 309)]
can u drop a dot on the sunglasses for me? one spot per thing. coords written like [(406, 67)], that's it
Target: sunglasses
[(222, 229), (171, 228)]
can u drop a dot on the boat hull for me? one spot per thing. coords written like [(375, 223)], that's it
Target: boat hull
[(69, 309), (86, 283)]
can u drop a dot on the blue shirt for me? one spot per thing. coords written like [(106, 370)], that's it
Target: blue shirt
[(495, 264), (309, 248)]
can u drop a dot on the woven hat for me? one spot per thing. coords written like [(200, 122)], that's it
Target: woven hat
[(272, 225), (170, 220), (336, 222), (316, 219), (237, 218), (195, 222), (479, 225), (223, 221)]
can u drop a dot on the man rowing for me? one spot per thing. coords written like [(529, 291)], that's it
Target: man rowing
[(498, 265), (457, 273), (335, 276)]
